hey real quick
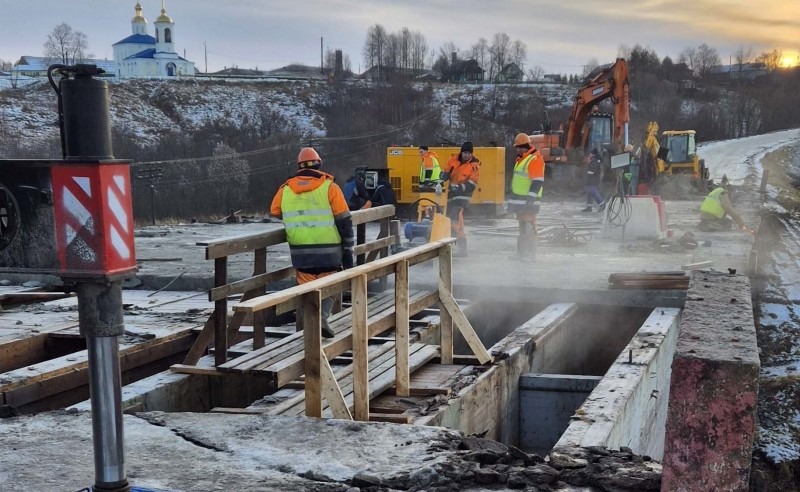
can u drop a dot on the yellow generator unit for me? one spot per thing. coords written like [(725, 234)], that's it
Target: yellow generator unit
[(487, 200)]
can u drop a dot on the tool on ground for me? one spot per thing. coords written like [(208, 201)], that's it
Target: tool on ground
[(432, 224)]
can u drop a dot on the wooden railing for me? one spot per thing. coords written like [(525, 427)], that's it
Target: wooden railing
[(218, 330), (319, 378)]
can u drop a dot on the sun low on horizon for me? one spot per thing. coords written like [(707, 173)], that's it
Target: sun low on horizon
[(790, 60)]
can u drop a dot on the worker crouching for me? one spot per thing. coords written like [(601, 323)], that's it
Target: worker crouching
[(318, 226), (527, 184), (717, 212), (463, 171)]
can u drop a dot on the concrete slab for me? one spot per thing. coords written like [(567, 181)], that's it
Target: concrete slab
[(190, 451)]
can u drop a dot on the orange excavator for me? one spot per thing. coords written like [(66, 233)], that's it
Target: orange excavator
[(587, 127)]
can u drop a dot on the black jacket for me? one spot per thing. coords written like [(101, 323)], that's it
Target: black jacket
[(593, 172)]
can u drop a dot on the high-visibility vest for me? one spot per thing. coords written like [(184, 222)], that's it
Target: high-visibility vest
[(436, 171), (712, 204), (314, 240), (521, 180)]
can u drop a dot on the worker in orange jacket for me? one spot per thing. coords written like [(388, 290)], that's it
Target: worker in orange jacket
[(463, 171), (526, 193), (318, 226)]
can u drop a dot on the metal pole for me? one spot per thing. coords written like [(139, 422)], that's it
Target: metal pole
[(100, 321), (153, 203)]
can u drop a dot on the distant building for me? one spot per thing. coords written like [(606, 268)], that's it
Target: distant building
[(36, 66), (510, 74), (463, 71), (392, 73), (736, 71), (141, 55)]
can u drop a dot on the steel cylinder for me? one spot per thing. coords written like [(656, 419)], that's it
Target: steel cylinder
[(87, 121)]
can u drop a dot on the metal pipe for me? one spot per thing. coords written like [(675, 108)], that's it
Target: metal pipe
[(100, 321), (626, 134), (106, 390)]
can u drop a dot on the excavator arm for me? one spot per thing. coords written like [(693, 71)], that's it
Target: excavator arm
[(611, 82)]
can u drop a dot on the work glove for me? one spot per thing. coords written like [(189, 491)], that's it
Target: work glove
[(347, 258), (443, 176), (531, 200), (457, 188)]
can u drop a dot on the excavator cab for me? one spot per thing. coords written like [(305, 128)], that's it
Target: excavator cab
[(600, 134), (679, 154)]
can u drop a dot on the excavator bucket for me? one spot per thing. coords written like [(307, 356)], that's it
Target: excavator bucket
[(440, 228)]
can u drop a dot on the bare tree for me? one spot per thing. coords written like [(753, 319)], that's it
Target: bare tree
[(743, 56), (375, 47), (624, 51), (419, 50), (480, 52), (772, 59), (536, 73), (65, 45), (519, 52), (499, 53), (5, 64), (707, 60), (689, 57), (591, 64)]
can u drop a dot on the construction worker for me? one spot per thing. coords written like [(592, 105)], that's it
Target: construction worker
[(593, 170), (463, 171), (526, 194), (318, 225), (717, 212), (429, 168), (355, 190)]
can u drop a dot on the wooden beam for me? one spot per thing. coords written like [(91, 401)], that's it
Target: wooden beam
[(201, 343), (312, 333), (393, 418), (464, 327), (259, 326), (251, 283), (333, 394), (358, 294), (371, 214), (401, 327), (445, 318), (414, 256), (373, 245), (203, 371), (221, 248), (220, 313)]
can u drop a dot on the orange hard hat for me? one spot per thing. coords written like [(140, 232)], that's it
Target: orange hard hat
[(522, 139), (307, 154)]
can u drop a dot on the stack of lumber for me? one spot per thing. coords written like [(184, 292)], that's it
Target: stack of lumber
[(649, 280)]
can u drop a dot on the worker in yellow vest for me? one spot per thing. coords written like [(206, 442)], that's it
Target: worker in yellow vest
[(318, 226), (429, 169), (526, 194), (717, 212)]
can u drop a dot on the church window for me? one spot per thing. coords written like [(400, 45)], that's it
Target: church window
[(156, 34), (167, 35)]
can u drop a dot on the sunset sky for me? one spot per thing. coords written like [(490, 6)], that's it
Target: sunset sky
[(561, 36)]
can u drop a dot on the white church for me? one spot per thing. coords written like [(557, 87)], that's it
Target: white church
[(141, 55)]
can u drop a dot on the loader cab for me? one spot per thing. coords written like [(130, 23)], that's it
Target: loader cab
[(680, 145)]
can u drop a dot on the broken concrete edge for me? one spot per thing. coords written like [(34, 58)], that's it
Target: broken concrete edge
[(712, 412), (628, 408), (497, 417)]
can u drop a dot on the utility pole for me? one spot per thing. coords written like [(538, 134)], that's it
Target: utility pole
[(149, 175), (321, 65), (205, 54)]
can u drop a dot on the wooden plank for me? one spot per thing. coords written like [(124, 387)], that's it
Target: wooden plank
[(333, 395), (445, 318), (373, 245), (401, 327), (417, 390), (358, 295), (254, 282), (464, 326), (371, 214), (292, 367), (697, 265), (221, 248), (415, 255), (201, 370), (312, 334), (390, 417), (293, 344), (377, 356), (361, 239), (239, 411), (220, 313), (382, 376)]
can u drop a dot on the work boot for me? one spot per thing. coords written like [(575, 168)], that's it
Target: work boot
[(601, 207), (587, 209)]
